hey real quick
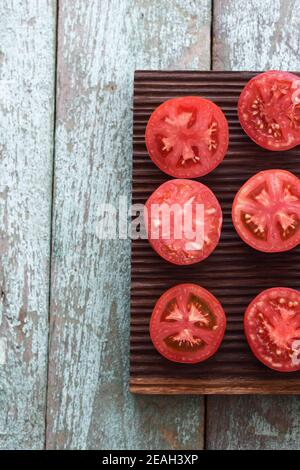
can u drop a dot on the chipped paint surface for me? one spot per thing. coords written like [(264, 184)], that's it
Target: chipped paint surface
[(101, 43), (27, 45), (253, 422), (256, 35), (3, 346)]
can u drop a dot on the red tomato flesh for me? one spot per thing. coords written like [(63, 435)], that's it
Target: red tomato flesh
[(187, 196), (187, 137), (187, 324), (266, 211), (269, 110), (272, 328)]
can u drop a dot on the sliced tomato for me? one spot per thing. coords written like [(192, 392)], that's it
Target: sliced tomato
[(266, 211), (269, 110), (272, 328), (187, 324), (191, 206), (187, 137)]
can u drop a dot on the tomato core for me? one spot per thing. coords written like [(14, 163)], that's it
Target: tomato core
[(187, 137), (272, 327), (266, 211), (183, 220), (269, 110), (187, 324)]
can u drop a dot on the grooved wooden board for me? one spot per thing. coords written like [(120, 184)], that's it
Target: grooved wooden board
[(234, 273)]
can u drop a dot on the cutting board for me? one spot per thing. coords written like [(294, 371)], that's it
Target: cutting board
[(234, 273)]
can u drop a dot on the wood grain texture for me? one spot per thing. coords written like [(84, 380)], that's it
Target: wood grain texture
[(100, 43), (262, 423), (222, 386), (255, 35), (27, 63)]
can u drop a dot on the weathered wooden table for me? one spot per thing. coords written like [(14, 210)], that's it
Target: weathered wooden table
[(66, 72)]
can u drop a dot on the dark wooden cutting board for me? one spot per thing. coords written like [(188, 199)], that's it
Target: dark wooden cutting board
[(234, 273)]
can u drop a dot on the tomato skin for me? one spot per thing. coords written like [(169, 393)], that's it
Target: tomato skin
[(280, 184), (264, 349), (180, 292), (210, 150), (274, 108), (171, 192)]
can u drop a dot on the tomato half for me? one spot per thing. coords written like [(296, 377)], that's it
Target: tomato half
[(187, 324), (187, 137), (272, 328), (188, 205), (269, 110), (266, 211)]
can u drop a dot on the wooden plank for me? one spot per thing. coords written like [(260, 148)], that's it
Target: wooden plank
[(255, 35), (222, 386), (253, 423), (27, 63), (99, 45)]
